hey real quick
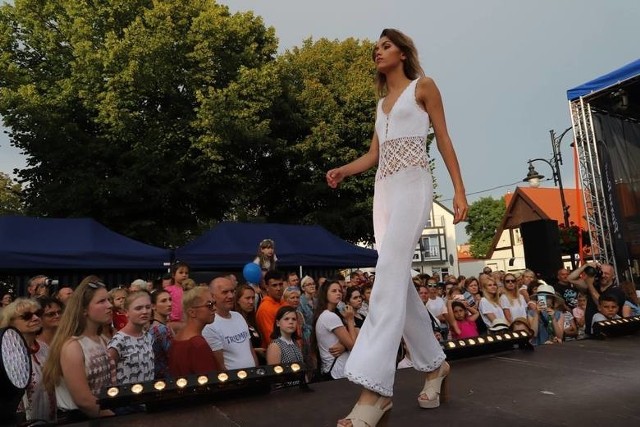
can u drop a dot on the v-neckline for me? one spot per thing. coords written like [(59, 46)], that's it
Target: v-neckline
[(396, 101)]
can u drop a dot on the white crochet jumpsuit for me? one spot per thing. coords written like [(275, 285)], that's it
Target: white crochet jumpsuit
[(401, 205)]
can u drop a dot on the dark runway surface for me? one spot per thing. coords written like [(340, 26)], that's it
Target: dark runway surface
[(579, 383)]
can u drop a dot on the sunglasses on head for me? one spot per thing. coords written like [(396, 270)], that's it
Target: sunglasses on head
[(26, 316), (96, 285), (431, 285)]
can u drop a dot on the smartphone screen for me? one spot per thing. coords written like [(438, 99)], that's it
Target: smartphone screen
[(542, 301)]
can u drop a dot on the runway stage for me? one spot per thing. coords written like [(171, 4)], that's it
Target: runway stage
[(580, 383)]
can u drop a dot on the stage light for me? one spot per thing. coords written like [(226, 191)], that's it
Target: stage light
[(616, 327), (487, 344), (185, 389)]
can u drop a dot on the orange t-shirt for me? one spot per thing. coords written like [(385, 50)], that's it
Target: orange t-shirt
[(266, 317)]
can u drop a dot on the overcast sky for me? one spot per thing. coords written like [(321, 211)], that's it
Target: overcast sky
[(503, 67)]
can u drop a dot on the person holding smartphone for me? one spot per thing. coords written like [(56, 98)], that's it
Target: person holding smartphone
[(330, 329)]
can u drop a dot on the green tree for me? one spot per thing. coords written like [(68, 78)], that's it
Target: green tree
[(10, 202), (311, 110), (103, 97), (484, 217)]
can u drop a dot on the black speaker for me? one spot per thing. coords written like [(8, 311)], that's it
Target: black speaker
[(541, 240)]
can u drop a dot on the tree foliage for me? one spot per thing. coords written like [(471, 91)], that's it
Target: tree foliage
[(10, 202), (103, 99), (159, 118), (484, 217)]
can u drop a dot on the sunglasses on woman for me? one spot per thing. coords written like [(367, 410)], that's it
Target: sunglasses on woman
[(96, 285), (209, 304), (26, 316)]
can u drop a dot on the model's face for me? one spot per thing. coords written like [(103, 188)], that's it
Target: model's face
[(288, 322), (181, 274), (334, 294), (387, 55), (99, 309), (28, 321), (51, 316), (139, 311), (247, 301), (163, 304), (356, 300)]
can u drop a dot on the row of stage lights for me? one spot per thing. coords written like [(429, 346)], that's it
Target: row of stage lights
[(507, 336), (205, 384), (616, 327)]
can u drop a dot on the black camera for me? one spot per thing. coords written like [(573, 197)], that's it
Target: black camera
[(595, 272), (50, 282)]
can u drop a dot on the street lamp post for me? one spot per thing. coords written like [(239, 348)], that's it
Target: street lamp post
[(533, 177)]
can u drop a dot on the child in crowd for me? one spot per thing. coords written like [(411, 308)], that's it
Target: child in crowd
[(266, 257), (548, 323), (569, 327), (131, 348), (179, 274), (161, 334), (117, 296), (283, 347), (462, 319), (607, 309), (578, 314)]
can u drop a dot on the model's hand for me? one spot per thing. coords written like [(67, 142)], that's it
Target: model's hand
[(460, 207), (335, 177)]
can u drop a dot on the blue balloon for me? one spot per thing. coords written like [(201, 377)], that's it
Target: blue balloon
[(252, 273)]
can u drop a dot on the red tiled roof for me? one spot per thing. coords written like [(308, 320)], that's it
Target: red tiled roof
[(547, 201)]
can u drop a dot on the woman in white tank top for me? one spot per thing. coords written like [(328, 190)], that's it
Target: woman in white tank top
[(402, 201)]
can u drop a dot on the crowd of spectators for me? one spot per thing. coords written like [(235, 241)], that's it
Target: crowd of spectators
[(176, 327)]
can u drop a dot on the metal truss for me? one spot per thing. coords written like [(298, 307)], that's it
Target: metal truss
[(596, 202)]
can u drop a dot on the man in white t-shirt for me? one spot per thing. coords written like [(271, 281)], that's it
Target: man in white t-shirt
[(437, 307), (228, 336)]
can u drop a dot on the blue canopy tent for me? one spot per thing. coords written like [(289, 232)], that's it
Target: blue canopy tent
[(72, 244), (231, 245), (608, 80)]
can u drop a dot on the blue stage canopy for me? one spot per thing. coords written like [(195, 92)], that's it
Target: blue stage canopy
[(231, 245), (77, 243), (610, 79)]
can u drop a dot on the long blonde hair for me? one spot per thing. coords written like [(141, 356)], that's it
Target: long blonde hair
[(411, 64), (493, 299), (512, 296), (72, 324)]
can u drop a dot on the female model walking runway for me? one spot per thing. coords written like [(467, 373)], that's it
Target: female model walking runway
[(402, 201)]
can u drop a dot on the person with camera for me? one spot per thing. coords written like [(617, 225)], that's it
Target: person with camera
[(595, 280)]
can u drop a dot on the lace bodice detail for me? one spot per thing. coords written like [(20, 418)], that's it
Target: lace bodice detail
[(402, 134)]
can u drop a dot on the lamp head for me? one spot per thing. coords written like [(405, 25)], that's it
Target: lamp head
[(533, 177)]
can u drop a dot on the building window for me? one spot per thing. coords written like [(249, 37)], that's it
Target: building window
[(430, 247)]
